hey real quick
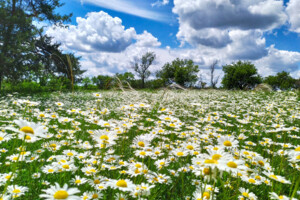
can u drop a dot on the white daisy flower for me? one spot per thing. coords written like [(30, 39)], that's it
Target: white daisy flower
[(57, 193)]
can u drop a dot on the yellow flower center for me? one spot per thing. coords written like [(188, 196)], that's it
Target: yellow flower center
[(180, 154), (78, 181), (211, 161), (66, 166), (298, 157), (95, 196), (27, 129), (206, 171), (216, 156), (258, 177), (104, 137), (143, 153), (251, 180), (261, 163), (190, 147), (1, 138), (70, 154), (138, 165), (96, 181), (121, 183), (232, 164), (273, 176), (245, 194), (27, 137), (141, 144), (281, 197), (16, 191), (297, 149), (50, 170), (206, 195), (53, 145), (61, 194), (227, 143)]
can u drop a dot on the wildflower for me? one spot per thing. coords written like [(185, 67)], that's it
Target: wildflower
[(122, 184), (57, 193), (16, 191)]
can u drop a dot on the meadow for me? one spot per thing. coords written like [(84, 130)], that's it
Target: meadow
[(189, 145)]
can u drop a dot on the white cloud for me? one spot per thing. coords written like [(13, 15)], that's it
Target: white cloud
[(147, 40), (135, 8), (159, 3), (100, 32), (293, 10), (279, 60), (246, 14), (97, 32), (209, 22), (246, 45)]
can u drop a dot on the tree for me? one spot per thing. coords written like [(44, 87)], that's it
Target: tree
[(103, 81), (126, 77), (18, 34), (183, 72), (86, 82), (282, 81), (240, 75), (212, 67), (68, 66), (141, 67)]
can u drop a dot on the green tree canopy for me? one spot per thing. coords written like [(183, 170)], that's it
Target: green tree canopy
[(183, 72), (282, 80), (240, 75), (18, 34)]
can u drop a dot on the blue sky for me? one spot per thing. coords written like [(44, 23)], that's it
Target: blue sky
[(111, 34)]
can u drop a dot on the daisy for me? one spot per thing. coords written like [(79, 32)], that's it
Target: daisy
[(91, 195), (228, 141), (122, 184), (59, 104), (201, 194), (245, 194), (278, 178), (57, 193), (29, 129), (4, 137), (49, 169), (232, 165), (16, 191), (273, 195)]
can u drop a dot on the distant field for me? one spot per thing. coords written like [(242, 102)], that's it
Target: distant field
[(150, 145)]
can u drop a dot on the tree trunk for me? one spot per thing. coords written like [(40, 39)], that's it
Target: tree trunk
[(143, 82)]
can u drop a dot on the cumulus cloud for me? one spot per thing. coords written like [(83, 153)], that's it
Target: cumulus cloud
[(279, 60), (246, 45), (147, 40), (97, 32), (209, 22), (100, 32), (293, 10), (247, 14)]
